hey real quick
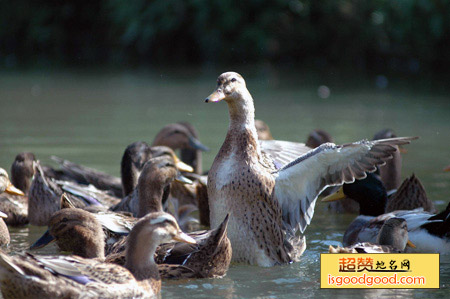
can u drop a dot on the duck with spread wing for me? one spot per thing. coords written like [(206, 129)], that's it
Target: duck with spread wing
[(271, 194)]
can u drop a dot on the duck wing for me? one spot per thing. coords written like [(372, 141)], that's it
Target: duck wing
[(299, 183), (89, 176), (280, 153)]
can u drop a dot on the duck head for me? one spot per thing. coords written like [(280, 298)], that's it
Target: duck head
[(154, 183), (76, 231), (230, 87), (178, 136), (152, 230), (22, 171), (370, 193), (394, 232)]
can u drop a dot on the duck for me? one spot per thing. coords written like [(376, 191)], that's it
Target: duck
[(81, 233), (134, 158), (32, 276), (269, 201), (153, 188), (184, 137), (15, 204), (392, 238), (428, 231)]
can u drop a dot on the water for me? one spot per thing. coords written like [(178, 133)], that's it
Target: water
[(90, 117)]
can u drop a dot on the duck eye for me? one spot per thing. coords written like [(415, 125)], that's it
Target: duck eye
[(64, 219), (233, 79)]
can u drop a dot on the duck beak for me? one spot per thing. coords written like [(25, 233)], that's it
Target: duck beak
[(195, 143), (182, 237), (335, 196), (13, 190), (410, 244), (181, 165), (215, 97), (3, 215), (43, 241), (182, 179)]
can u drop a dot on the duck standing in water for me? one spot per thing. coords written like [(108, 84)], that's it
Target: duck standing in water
[(269, 202)]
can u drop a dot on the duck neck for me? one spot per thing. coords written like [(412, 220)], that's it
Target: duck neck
[(150, 198), (21, 176), (373, 206), (93, 248), (242, 134), (140, 261)]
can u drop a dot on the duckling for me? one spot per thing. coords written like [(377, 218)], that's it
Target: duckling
[(15, 205), (268, 200), (392, 238), (29, 276), (429, 232)]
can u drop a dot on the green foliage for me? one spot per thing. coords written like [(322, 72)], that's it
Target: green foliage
[(406, 35)]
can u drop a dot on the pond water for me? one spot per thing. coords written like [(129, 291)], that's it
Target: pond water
[(90, 117)]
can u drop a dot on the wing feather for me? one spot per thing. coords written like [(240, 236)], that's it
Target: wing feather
[(299, 182), (282, 152)]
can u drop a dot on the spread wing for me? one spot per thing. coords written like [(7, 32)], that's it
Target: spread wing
[(299, 183), (280, 153)]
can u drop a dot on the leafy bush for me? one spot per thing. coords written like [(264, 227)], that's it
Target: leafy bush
[(406, 35)]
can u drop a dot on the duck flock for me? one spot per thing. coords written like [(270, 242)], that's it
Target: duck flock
[(125, 235)]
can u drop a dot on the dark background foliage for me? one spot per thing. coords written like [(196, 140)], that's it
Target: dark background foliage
[(400, 35)]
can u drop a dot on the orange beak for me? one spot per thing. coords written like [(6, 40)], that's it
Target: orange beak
[(13, 190)]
